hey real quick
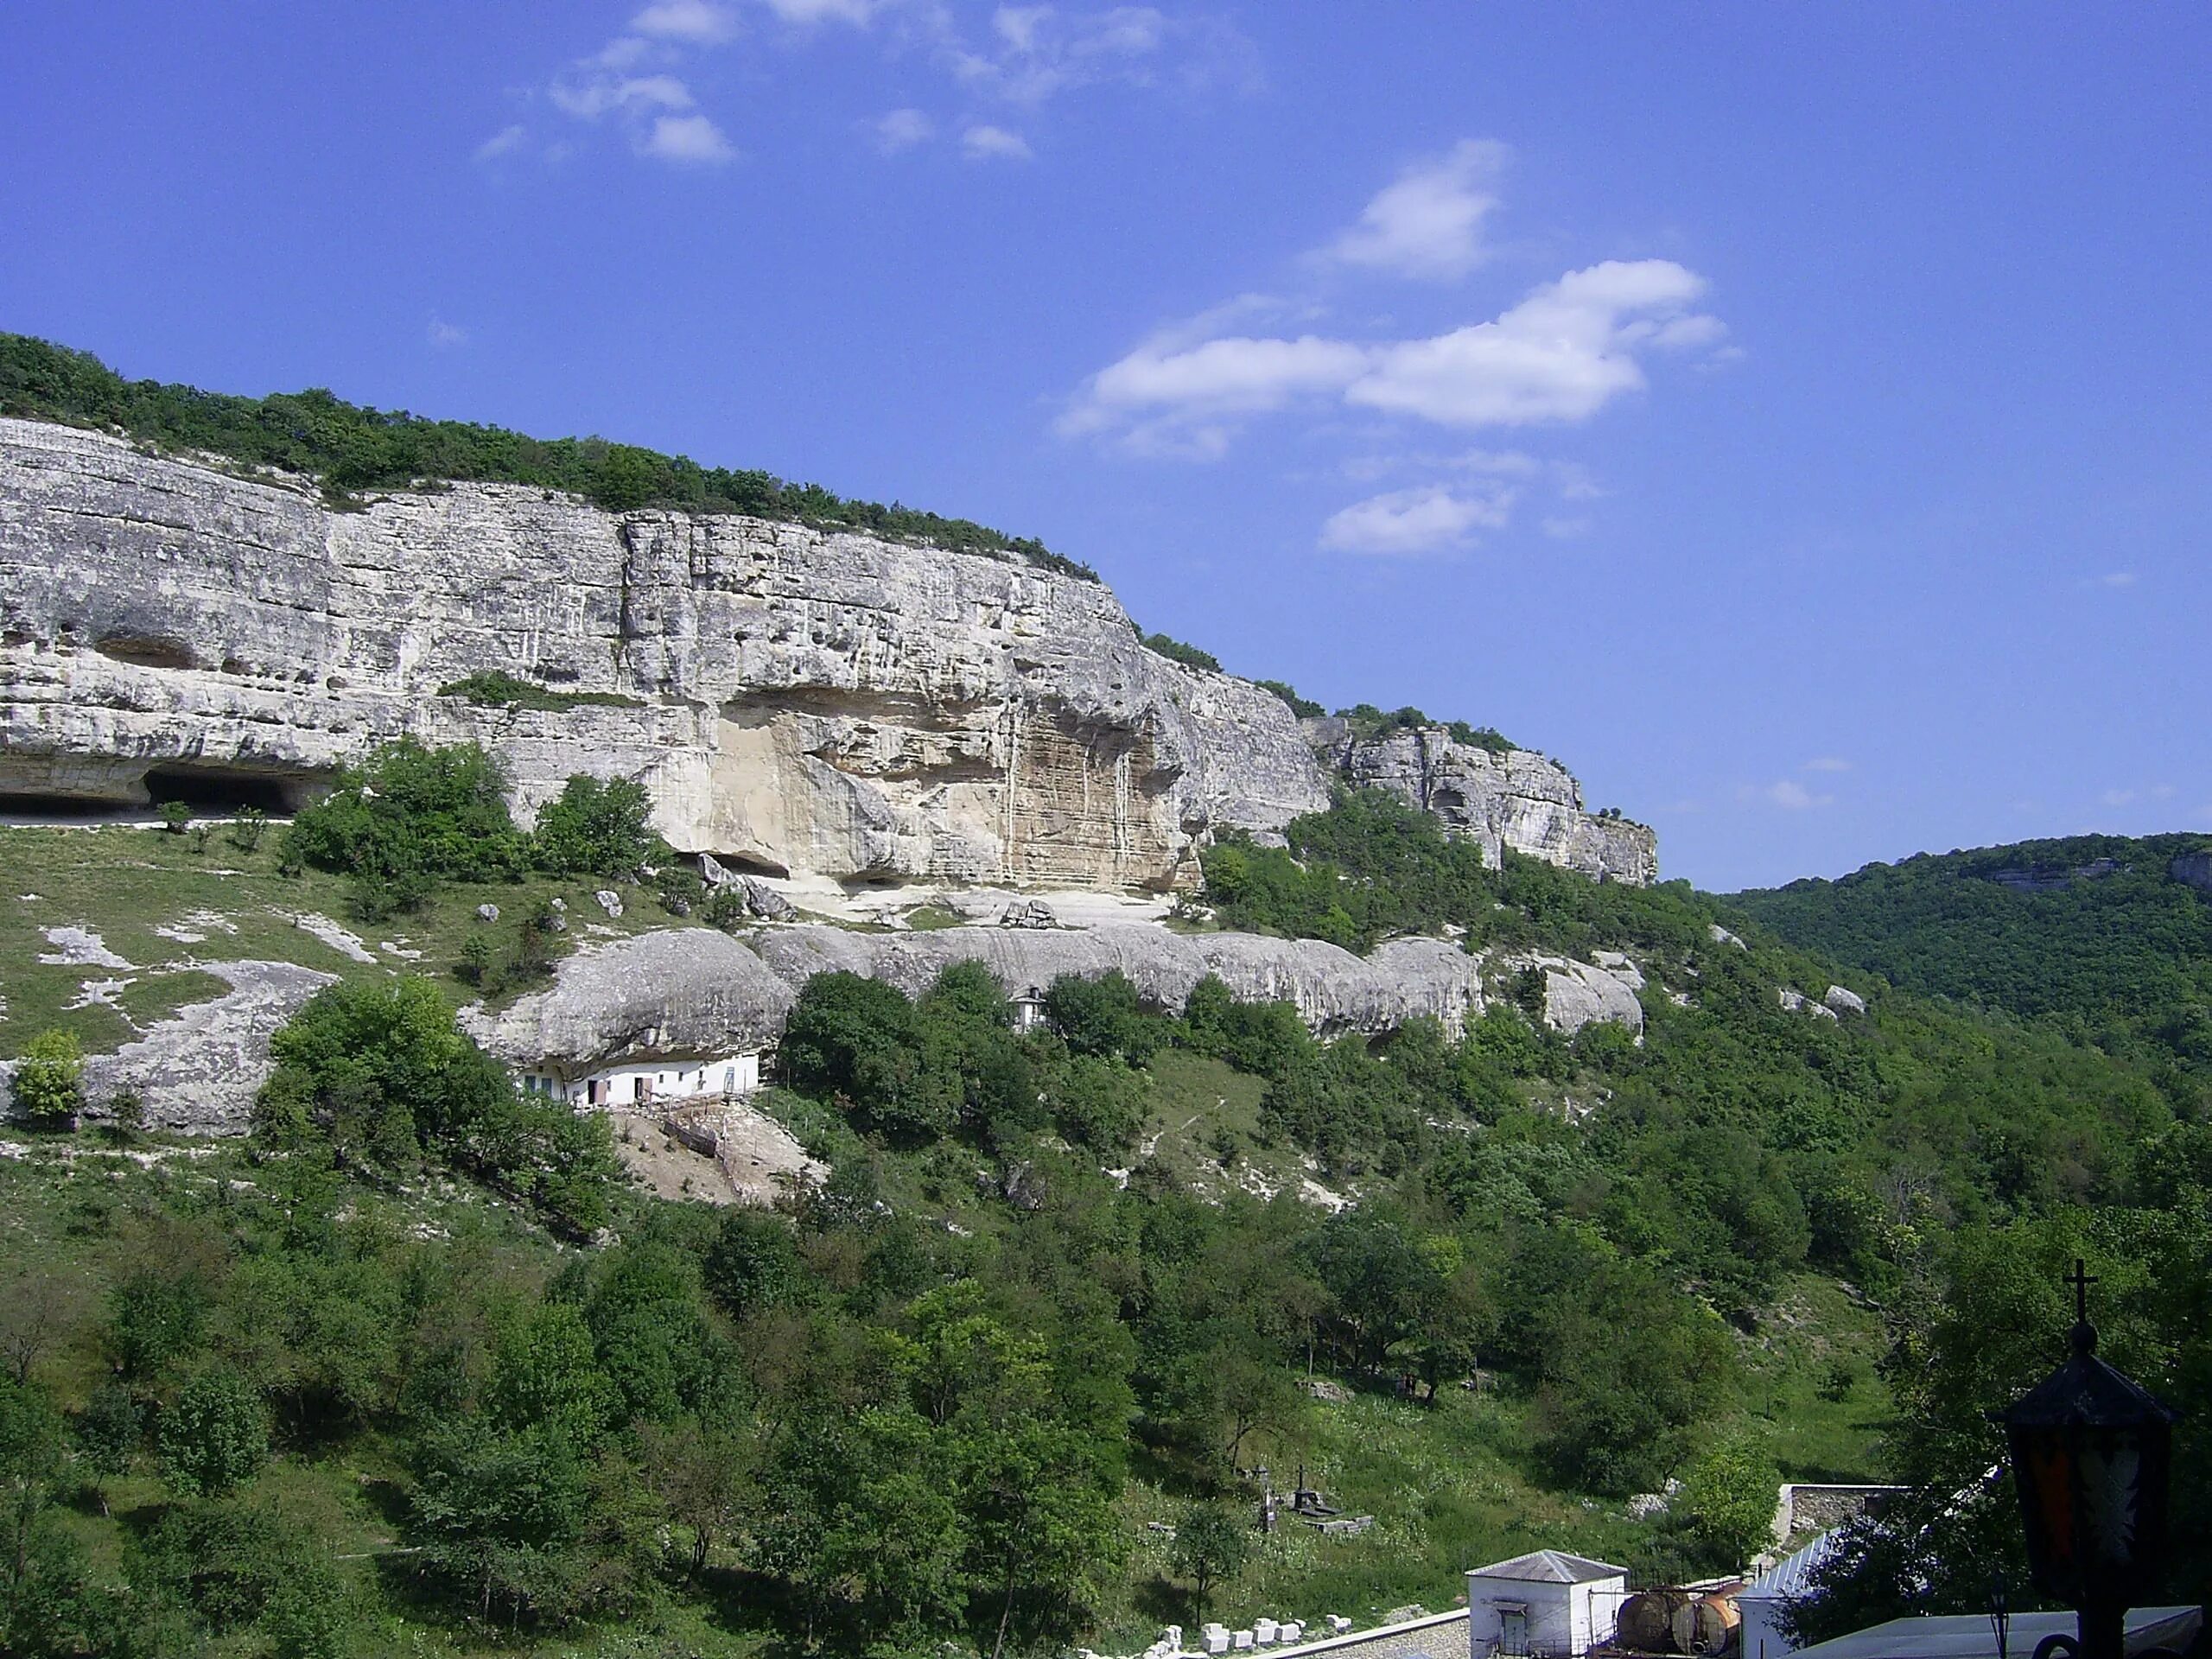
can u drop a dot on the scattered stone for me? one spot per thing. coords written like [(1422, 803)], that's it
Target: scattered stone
[(1722, 936), (1820, 1011), (1791, 998), (714, 872), (1646, 1505), (1844, 1001), (344, 944), (560, 907), (1322, 1388), (611, 902), (80, 947), (487, 912), (1029, 913), (766, 902)]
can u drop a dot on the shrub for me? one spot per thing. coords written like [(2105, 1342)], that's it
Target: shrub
[(49, 1085), (175, 815), (405, 819), (495, 688), (596, 828), (1304, 707), (1176, 651), (215, 1437)]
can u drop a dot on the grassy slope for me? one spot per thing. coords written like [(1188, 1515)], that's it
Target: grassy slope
[(123, 883)]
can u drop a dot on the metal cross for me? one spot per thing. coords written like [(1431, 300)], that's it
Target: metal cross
[(2081, 1279)]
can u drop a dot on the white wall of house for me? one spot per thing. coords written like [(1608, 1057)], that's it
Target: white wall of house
[(646, 1082), (1542, 1618)]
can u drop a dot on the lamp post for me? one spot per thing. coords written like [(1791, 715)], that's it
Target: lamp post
[(2091, 1455)]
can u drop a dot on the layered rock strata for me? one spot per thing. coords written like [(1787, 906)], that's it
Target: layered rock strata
[(799, 702), (1517, 798)]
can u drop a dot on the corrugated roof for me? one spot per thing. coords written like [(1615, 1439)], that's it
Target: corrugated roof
[(1791, 1577), (1549, 1566)]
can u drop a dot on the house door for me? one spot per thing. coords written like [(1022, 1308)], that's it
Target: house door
[(1512, 1630)]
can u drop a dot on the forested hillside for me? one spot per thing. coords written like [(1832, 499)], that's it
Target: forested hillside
[(2091, 935), (413, 1370)]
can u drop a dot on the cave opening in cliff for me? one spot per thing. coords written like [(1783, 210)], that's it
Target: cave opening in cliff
[(215, 791)]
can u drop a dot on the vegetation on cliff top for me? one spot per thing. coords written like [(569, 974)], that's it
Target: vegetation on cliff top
[(352, 448)]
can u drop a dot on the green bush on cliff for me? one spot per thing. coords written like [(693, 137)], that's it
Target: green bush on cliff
[(406, 818), (352, 448)]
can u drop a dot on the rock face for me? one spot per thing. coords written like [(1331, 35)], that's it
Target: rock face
[(197, 1070), (797, 701), (1518, 799), (800, 702), (689, 990), (2192, 869)]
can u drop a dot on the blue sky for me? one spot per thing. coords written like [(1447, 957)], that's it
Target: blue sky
[(1794, 417)]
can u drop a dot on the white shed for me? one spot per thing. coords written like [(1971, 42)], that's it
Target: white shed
[(1547, 1605), (1766, 1601)]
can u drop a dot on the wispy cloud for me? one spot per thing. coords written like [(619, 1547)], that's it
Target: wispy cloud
[(692, 139), (901, 130), (1034, 53), (1788, 794), (444, 336), (1826, 763), (698, 21), (1431, 519), (988, 143), (1427, 223), (2117, 578), (806, 13), (1565, 352), (505, 142)]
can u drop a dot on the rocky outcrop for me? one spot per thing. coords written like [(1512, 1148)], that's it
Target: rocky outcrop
[(1842, 999), (799, 702), (1516, 798), (2193, 870), (197, 1072), (796, 701), (691, 990)]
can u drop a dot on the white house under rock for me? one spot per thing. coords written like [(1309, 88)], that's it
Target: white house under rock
[(1547, 1605)]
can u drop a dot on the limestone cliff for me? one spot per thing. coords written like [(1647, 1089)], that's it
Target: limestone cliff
[(811, 703), (1517, 798), (818, 704)]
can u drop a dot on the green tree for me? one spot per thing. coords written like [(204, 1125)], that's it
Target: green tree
[(215, 1437), (109, 1431), (1727, 1501), (1210, 1545), (175, 816), (49, 1081), (595, 827)]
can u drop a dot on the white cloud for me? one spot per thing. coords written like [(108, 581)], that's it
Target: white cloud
[(985, 143), (2117, 798), (1566, 530), (690, 139), (901, 130), (1827, 763), (445, 336), (505, 142), (700, 22), (1036, 52), (2117, 578), (806, 12), (1427, 223), (1429, 520), (594, 96), (1561, 355), (1793, 797)]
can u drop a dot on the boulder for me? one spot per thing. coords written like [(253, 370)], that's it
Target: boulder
[(1841, 1000), (487, 912), (764, 901), (610, 902), (1029, 913)]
